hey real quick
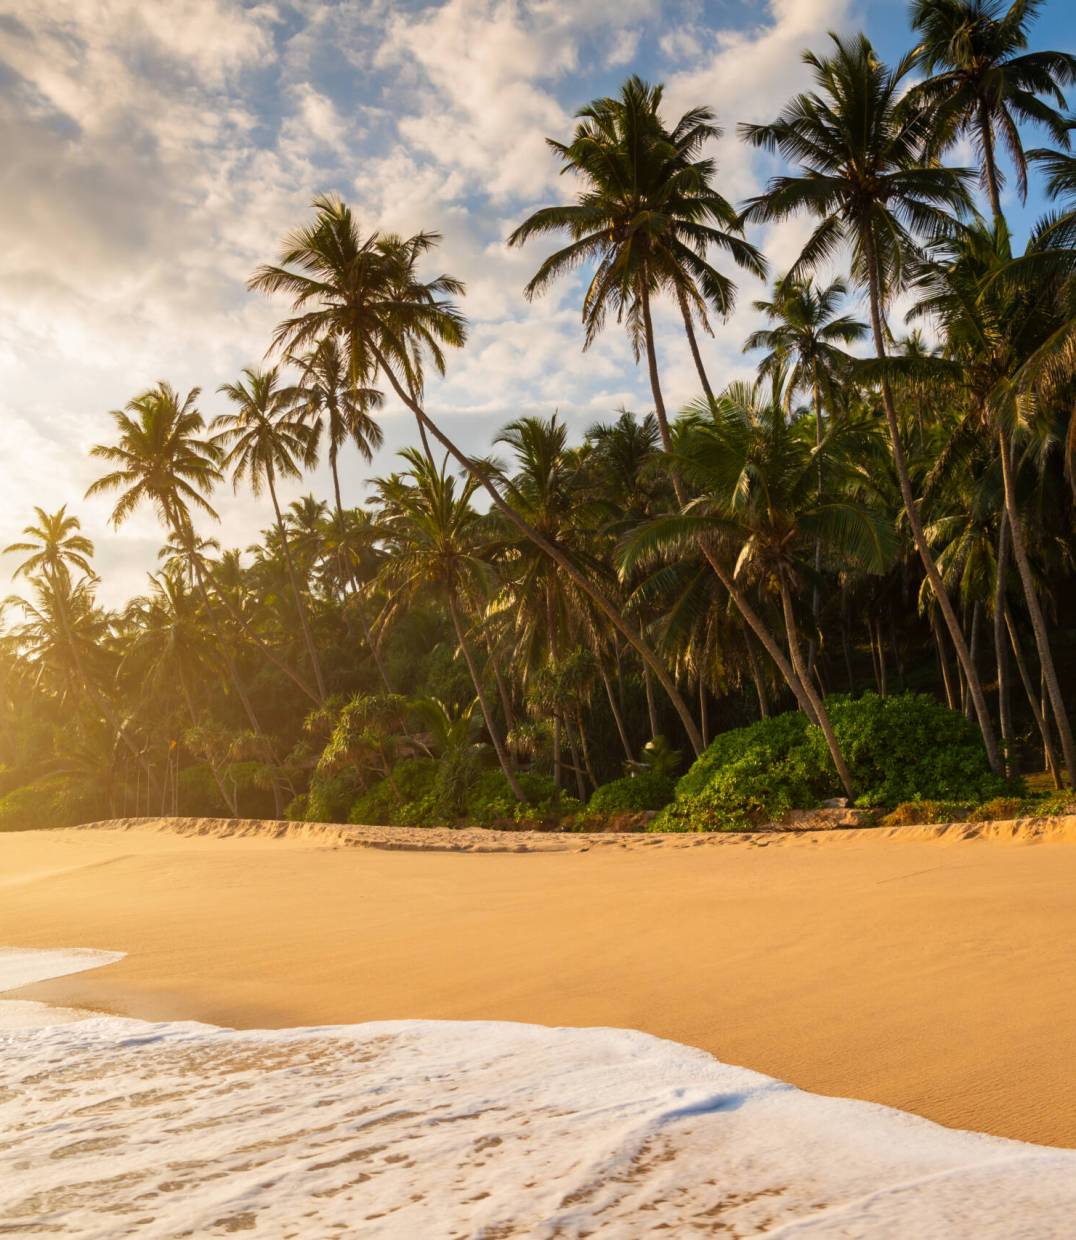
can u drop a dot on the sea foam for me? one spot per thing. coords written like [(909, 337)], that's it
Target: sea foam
[(433, 1129)]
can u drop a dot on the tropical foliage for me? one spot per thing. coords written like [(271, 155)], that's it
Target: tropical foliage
[(507, 637)]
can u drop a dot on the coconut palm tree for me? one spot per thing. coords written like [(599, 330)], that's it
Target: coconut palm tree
[(367, 293), (995, 324), (163, 459), (55, 546), (437, 542), (646, 218), (756, 472), (264, 440), (805, 345), (858, 145), (984, 84)]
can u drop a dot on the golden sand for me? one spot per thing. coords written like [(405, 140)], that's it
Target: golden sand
[(933, 969)]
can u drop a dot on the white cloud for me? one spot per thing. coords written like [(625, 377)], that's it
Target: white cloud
[(156, 150)]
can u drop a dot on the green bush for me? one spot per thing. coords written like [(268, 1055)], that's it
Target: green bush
[(898, 749), (198, 794), (647, 790), (295, 810), (330, 797), (400, 797), (53, 801)]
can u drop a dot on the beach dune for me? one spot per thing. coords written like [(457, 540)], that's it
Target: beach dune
[(930, 970)]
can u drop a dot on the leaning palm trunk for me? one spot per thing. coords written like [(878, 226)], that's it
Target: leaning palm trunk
[(795, 674), (689, 329), (821, 713), (618, 718), (1038, 622), (293, 578), (596, 595), (911, 508), (1041, 723), (483, 701), (1001, 648)]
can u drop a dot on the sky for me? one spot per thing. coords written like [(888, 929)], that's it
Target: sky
[(154, 152)]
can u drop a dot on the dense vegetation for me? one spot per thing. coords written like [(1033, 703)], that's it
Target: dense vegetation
[(512, 636)]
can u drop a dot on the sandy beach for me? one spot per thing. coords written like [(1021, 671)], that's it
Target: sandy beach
[(928, 969)]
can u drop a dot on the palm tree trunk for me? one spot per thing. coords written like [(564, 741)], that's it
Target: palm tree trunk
[(976, 619), (911, 508), (822, 714), (1001, 646), (587, 763), (483, 702), (943, 661), (356, 593), (90, 689), (185, 534), (580, 786), (769, 644), (704, 713), (651, 708), (689, 328), (300, 606), (226, 796), (1037, 713), (1038, 622), (883, 671), (816, 595), (596, 595), (618, 718), (756, 677)]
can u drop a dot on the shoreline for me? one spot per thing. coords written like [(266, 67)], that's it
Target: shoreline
[(922, 968)]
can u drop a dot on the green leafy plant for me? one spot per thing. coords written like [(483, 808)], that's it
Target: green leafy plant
[(647, 790)]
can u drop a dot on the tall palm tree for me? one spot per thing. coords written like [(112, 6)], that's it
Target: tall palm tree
[(436, 540), (646, 218), (162, 458), (995, 322), (984, 83), (858, 146), (756, 472), (266, 439), (368, 294), (805, 344), (55, 546)]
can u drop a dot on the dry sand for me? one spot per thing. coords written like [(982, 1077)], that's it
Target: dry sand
[(932, 969)]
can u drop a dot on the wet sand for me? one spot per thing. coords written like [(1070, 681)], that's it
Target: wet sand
[(929, 969)]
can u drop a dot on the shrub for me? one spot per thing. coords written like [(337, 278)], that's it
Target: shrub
[(926, 813), (198, 793), (395, 799), (330, 797), (295, 810), (53, 801), (899, 749), (647, 790), (999, 809)]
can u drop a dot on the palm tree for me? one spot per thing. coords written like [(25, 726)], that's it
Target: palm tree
[(168, 646), (436, 541), (757, 478), (161, 458), (984, 83), (55, 546), (266, 439), (646, 218), (858, 145), (996, 323), (804, 344), (368, 295)]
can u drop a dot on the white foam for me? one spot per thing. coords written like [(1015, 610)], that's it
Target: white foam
[(21, 966), (409, 1129)]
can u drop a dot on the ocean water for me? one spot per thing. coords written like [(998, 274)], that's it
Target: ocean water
[(428, 1129)]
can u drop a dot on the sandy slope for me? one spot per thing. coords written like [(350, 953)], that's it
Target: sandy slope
[(919, 968)]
